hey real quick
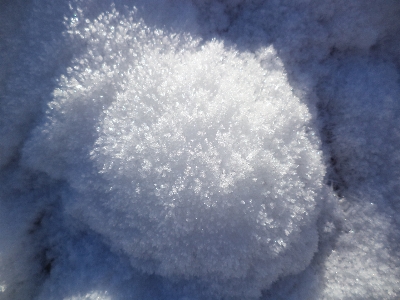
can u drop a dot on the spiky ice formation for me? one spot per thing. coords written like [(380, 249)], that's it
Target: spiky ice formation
[(193, 159)]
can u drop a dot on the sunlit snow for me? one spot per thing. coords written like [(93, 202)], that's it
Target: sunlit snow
[(203, 149)]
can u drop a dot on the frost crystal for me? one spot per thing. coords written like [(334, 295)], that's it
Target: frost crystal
[(195, 161)]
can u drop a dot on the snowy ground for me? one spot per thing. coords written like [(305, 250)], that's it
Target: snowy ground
[(204, 149)]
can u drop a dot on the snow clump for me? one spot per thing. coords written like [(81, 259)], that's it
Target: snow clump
[(196, 161)]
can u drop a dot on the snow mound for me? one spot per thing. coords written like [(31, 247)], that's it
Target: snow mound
[(369, 251), (196, 161)]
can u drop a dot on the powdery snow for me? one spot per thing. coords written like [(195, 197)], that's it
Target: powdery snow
[(199, 150)]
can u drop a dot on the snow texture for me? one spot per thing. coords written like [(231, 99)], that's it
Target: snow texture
[(204, 149)]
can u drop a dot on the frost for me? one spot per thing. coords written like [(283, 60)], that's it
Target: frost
[(91, 296), (207, 170), (173, 149)]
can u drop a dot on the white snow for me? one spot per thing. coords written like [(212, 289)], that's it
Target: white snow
[(199, 149)]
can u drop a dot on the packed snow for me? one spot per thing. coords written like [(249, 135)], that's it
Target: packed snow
[(199, 149)]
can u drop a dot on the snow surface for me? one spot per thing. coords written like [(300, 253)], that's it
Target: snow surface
[(199, 149)]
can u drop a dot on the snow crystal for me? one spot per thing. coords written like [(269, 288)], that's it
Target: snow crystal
[(224, 149), (90, 296), (207, 170)]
